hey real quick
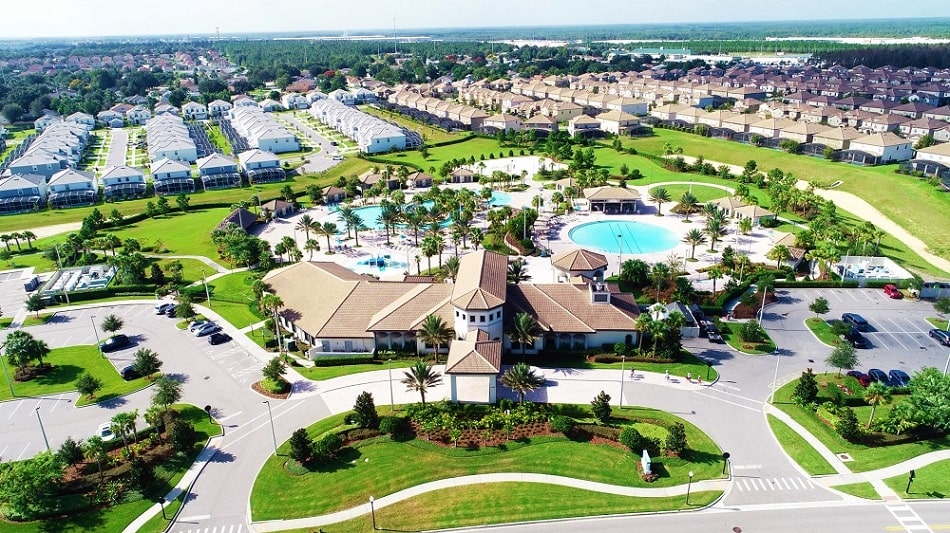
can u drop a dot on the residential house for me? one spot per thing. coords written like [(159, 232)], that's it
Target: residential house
[(278, 208), (171, 177), (122, 183), (333, 195), (39, 161), (802, 132), (770, 128), (72, 188), (21, 193), (503, 122), (46, 120), (194, 111), (218, 171), (884, 147), (417, 180), (837, 138), (218, 108), (262, 130), (167, 109), (617, 122), (583, 125), (269, 106), (541, 123), (84, 119), (915, 129), (261, 167), (138, 115), (110, 119)]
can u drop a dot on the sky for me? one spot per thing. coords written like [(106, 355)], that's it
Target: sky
[(100, 18)]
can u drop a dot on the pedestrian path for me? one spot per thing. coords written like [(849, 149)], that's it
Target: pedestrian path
[(461, 481), (757, 484), (819, 446)]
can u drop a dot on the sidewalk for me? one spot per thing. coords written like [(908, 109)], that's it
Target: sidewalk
[(385, 501), (819, 446)]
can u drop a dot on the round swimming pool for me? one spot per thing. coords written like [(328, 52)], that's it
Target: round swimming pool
[(635, 237)]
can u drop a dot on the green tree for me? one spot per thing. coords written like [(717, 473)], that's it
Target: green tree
[(146, 362), (29, 489), (523, 331), (96, 449), (183, 201), (22, 349), (522, 379), (631, 438), (694, 237), (942, 305), (300, 446), (88, 385), (819, 306), (364, 411), (35, 303), (688, 204), (876, 394), (121, 425), (517, 272), (600, 406), (182, 436), (659, 196), (167, 391), (162, 206), (847, 425), (930, 398), (111, 324), (843, 356), (420, 377), (435, 332), (274, 370), (70, 451), (676, 439), (806, 390), (779, 253)]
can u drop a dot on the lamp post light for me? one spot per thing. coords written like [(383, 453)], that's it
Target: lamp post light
[(273, 433), (207, 292), (96, 333), (623, 359), (725, 462), (42, 429), (372, 510), (689, 486), (161, 502), (389, 367)]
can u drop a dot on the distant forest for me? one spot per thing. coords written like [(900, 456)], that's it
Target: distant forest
[(937, 56)]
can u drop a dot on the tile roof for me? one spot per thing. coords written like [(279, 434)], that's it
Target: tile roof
[(579, 259), (567, 308), (481, 281), (474, 355)]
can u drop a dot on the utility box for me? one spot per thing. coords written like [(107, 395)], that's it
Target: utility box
[(31, 284)]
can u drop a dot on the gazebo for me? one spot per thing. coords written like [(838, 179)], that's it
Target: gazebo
[(612, 200)]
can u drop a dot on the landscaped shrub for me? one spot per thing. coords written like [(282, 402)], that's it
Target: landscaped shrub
[(631, 438), (300, 446), (562, 424), (348, 360), (806, 390), (325, 449), (604, 432), (393, 425), (848, 426), (183, 436), (600, 406), (676, 442), (364, 411)]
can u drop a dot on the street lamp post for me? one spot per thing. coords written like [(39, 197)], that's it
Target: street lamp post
[(389, 367), (6, 374), (946, 367), (725, 462), (623, 359), (372, 510), (273, 433), (161, 502), (42, 429), (207, 293), (689, 486), (96, 333)]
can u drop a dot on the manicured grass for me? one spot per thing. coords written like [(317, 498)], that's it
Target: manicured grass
[(861, 490), (474, 147), (114, 519), (430, 135), (157, 524), (930, 482), (865, 457), (36, 260), (33, 320), (380, 466), (319, 373), (192, 269), (731, 336), (799, 449), (938, 322), (920, 203), (477, 505), (702, 193), (68, 363), (233, 299), (689, 364), (178, 233), (822, 330), (217, 138)]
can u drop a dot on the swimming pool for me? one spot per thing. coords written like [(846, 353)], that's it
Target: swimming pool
[(378, 264), (499, 198), (635, 237), (370, 216)]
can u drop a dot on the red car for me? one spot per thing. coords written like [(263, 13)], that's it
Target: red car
[(892, 291), (862, 378)]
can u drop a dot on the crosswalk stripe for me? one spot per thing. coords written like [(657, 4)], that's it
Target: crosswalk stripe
[(785, 482)]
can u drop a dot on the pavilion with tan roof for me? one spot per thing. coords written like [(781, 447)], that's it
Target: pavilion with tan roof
[(338, 313)]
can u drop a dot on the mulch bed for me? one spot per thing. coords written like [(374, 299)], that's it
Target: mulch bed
[(475, 438), (260, 390)]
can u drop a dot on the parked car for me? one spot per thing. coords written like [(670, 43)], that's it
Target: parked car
[(105, 431), (218, 338), (170, 312), (855, 338), (337, 157), (163, 308), (116, 342), (898, 378), (876, 374), (207, 329), (714, 335), (334, 143), (128, 373), (862, 378), (892, 291), (857, 321), (940, 335), (195, 324)]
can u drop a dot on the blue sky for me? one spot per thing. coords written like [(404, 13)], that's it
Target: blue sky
[(60, 18)]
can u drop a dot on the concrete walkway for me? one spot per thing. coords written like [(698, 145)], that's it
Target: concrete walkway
[(461, 481), (880, 474), (819, 446), (218, 268)]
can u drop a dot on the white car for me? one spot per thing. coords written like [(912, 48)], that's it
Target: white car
[(161, 309), (206, 329), (197, 324), (105, 432)]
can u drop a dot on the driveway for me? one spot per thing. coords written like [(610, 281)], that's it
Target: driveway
[(117, 148)]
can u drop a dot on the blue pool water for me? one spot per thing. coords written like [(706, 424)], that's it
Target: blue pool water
[(378, 263), (637, 237), (499, 198), (370, 215)]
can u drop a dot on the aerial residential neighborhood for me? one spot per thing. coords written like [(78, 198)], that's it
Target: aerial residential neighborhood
[(612, 270)]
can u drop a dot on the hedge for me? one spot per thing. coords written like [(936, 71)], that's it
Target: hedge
[(118, 290), (382, 161), (452, 141), (344, 360), (813, 284)]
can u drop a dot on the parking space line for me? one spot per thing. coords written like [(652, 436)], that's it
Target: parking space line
[(914, 325), (27, 447), (13, 412), (56, 403), (899, 330)]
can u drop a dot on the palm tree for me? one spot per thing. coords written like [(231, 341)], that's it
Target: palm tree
[(16, 236), (434, 331), (430, 247), (659, 196), (658, 329), (688, 203), (29, 236), (451, 268), (524, 330), (694, 238), (307, 224), (311, 246), (270, 304), (6, 240), (415, 220), (95, 448), (715, 229), (517, 273), (643, 325), (824, 254), (476, 235), (659, 275), (420, 377), (715, 273), (358, 226), (876, 394), (521, 379), (346, 215), (779, 253), (328, 229)]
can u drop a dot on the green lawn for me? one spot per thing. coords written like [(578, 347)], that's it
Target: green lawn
[(217, 138), (478, 505), (822, 330), (179, 233), (702, 193), (319, 373), (192, 269), (938, 322), (798, 449), (474, 147), (33, 320), (920, 204), (865, 457), (157, 524), (68, 363), (689, 364), (430, 135), (861, 490), (233, 299), (381, 467), (115, 519), (731, 336), (930, 482)]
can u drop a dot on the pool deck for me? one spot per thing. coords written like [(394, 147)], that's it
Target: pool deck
[(401, 248)]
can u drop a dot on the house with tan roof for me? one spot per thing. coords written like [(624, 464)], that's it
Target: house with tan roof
[(886, 147), (357, 314), (579, 263), (837, 138)]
